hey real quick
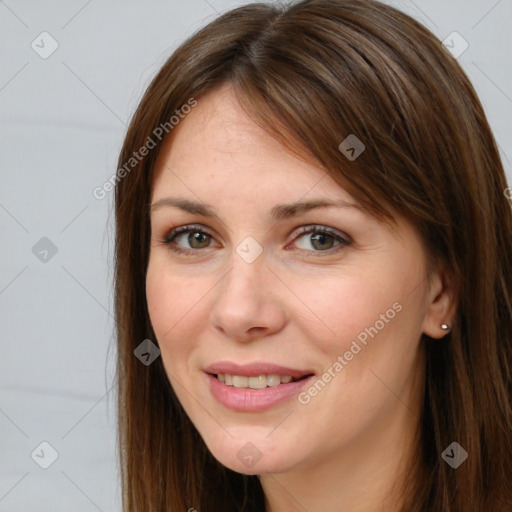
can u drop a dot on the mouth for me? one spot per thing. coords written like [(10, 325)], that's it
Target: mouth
[(255, 387)]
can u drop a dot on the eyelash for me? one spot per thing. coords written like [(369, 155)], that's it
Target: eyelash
[(171, 236)]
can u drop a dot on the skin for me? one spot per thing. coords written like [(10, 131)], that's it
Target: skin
[(299, 304)]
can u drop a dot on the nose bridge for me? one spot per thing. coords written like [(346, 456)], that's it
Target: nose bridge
[(247, 270), (242, 301), (244, 283)]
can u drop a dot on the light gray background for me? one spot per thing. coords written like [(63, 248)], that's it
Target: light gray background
[(62, 122)]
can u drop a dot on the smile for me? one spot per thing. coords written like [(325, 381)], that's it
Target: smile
[(241, 397)]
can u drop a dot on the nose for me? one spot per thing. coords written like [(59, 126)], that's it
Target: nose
[(247, 304)]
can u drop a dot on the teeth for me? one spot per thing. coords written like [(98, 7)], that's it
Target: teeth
[(258, 382), (273, 380), (240, 382)]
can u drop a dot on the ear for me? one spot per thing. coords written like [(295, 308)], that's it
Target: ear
[(441, 305)]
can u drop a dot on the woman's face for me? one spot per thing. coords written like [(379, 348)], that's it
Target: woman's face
[(259, 284)]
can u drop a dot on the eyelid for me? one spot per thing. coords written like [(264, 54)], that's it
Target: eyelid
[(174, 233)]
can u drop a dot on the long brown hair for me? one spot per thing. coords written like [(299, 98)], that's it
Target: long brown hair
[(312, 73)]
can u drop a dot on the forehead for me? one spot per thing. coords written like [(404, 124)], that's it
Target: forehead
[(219, 149)]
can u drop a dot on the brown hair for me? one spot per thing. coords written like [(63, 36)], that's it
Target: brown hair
[(311, 73)]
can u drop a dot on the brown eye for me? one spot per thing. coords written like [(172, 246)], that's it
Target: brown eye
[(197, 239), (321, 239), (200, 238)]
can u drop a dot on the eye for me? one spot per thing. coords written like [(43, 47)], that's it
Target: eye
[(321, 239), (197, 237)]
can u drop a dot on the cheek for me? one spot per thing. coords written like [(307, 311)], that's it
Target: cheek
[(366, 324), (370, 335), (174, 303), (340, 308)]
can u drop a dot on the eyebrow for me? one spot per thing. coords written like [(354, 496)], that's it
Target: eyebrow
[(278, 212)]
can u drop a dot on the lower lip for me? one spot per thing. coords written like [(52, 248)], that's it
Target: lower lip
[(254, 400)]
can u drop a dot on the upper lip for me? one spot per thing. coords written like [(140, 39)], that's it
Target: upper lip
[(255, 369)]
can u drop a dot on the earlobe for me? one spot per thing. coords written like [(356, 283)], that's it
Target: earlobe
[(437, 331)]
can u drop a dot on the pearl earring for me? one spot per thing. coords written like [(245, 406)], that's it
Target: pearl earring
[(445, 327)]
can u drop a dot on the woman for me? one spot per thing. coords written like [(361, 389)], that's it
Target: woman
[(313, 269)]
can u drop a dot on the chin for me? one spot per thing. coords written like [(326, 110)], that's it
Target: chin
[(256, 456)]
